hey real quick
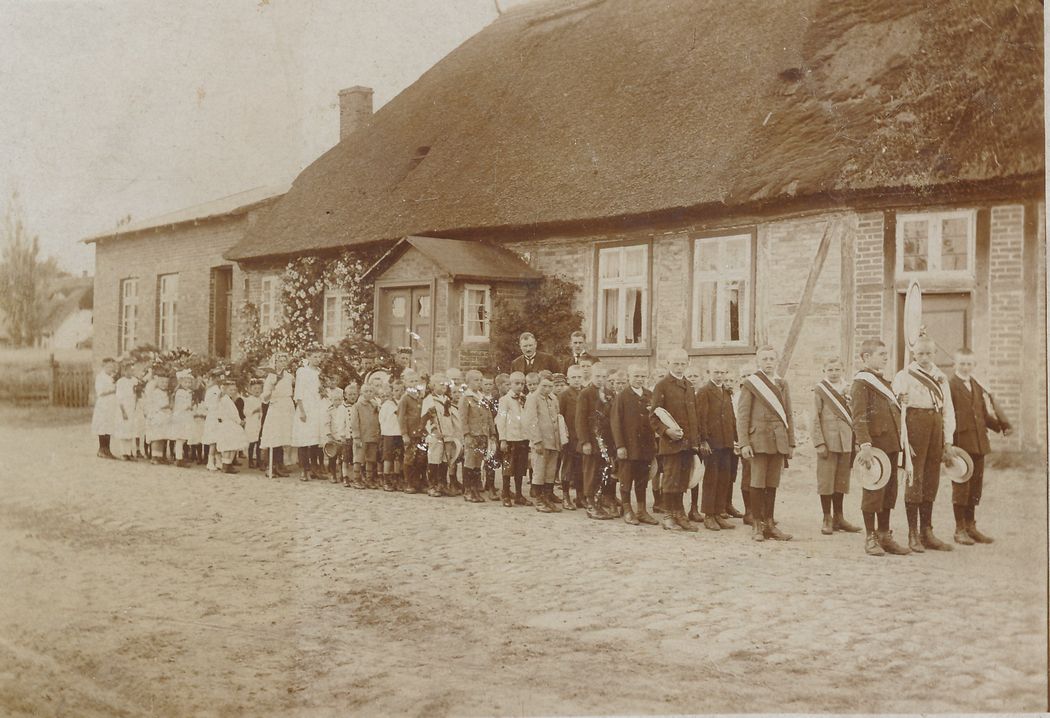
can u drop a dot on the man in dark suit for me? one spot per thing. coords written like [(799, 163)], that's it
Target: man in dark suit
[(571, 466), (877, 423), (578, 350), (677, 444), (594, 435), (532, 361), (635, 444), (714, 412), (767, 438), (972, 422)]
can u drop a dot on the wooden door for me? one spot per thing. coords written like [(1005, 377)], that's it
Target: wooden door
[(422, 319), (396, 319), (947, 318)]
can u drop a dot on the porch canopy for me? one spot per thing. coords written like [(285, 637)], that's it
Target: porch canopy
[(461, 260)]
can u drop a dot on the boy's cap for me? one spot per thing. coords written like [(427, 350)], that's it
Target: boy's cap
[(559, 379)]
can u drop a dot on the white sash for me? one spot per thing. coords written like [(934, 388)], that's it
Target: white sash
[(831, 396), (870, 379), (770, 398)]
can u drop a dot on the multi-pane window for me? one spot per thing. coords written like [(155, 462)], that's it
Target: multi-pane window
[(722, 278), (268, 301), (334, 321), (167, 310), (129, 313), (935, 242), (477, 308), (623, 296)]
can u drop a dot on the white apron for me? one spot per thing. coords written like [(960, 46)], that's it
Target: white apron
[(277, 429), (308, 391), (103, 418)]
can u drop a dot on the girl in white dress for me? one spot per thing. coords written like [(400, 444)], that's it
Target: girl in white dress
[(253, 422), (277, 426), (211, 419), (104, 417), (306, 422), (124, 413), (182, 421), (229, 428), (157, 410)]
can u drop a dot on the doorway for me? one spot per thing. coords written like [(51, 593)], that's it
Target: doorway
[(405, 318), (947, 318)]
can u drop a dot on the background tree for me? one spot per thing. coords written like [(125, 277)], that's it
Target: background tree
[(25, 278), (546, 311)]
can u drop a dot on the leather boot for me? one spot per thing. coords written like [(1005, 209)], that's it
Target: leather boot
[(552, 500), (723, 522), (890, 546), (732, 512), (628, 515), (658, 506), (644, 517), (872, 547), (757, 531), (841, 524), (567, 502), (971, 530), (932, 542), (962, 536), (669, 523), (684, 522), (828, 528), (596, 510), (913, 541), (695, 515), (710, 524), (508, 499), (540, 500), (434, 480)]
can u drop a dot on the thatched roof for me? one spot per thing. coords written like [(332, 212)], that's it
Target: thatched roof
[(583, 109)]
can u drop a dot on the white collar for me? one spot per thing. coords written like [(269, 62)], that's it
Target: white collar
[(639, 391)]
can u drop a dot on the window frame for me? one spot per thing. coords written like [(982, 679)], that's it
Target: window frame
[(644, 346), (748, 343), (486, 322), (340, 296), (126, 339), (934, 222), (268, 299), (163, 319)]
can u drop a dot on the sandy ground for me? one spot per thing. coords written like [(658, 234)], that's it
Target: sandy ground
[(132, 590)]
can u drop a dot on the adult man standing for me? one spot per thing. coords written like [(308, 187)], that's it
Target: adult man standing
[(531, 360), (635, 443), (677, 428), (714, 411), (766, 432), (578, 348)]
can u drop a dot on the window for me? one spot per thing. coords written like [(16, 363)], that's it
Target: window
[(936, 242), (477, 308), (268, 303), (129, 314), (167, 310), (623, 296), (334, 322), (722, 283)]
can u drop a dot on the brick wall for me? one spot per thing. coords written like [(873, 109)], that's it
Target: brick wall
[(869, 267), (191, 251), (1006, 316)]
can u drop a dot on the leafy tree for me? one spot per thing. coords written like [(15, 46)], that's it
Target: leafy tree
[(546, 310), (25, 278)]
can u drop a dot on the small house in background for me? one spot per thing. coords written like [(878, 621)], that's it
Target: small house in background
[(70, 313), (164, 281)]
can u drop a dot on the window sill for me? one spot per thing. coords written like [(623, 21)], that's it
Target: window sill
[(738, 349), (639, 351)]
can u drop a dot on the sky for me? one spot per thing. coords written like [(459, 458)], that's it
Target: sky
[(114, 108)]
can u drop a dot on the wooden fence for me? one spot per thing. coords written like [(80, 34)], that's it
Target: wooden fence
[(47, 382)]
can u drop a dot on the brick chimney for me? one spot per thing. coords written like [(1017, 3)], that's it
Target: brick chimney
[(355, 109)]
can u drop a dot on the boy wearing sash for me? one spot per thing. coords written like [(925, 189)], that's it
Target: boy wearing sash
[(930, 419), (975, 413), (833, 438), (877, 423), (677, 442), (766, 433)]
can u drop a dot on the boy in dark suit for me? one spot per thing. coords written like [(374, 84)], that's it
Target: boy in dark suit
[(594, 435), (833, 438), (975, 413), (677, 444), (714, 412), (877, 423), (767, 438), (635, 444), (571, 469)]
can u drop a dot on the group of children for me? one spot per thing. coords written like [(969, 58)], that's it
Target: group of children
[(603, 436)]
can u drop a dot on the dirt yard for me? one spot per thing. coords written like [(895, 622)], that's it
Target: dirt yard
[(131, 590)]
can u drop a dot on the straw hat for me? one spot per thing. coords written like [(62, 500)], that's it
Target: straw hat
[(875, 476), (958, 466)]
